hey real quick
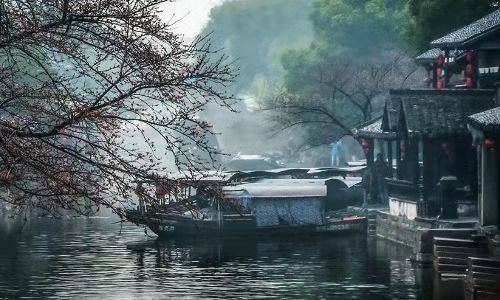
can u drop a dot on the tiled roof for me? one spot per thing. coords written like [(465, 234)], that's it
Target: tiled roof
[(373, 130), (433, 113), (464, 35), (432, 54), (390, 118), (488, 120), (282, 190)]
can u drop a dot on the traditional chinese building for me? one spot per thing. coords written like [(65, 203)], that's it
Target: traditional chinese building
[(441, 143), (434, 149), (485, 129)]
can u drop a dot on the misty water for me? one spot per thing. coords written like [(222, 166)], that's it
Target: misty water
[(89, 258)]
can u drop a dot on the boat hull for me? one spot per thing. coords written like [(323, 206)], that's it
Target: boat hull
[(174, 225)]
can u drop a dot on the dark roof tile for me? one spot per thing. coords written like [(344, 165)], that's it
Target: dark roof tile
[(431, 55), (488, 120), (390, 117), (464, 35), (373, 130), (433, 113)]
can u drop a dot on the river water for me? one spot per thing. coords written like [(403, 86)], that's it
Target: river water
[(89, 258)]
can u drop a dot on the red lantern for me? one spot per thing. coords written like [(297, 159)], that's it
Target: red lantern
[(366, 144), (439, 72), (440, 84), (468, 82), (489, 143), (469, 69), (440, 60), (469, 57)]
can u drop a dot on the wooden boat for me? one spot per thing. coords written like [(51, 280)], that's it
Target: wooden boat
[(169, 225), (249, 203)]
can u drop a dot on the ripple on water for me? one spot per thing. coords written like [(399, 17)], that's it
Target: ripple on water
[(88, 258)]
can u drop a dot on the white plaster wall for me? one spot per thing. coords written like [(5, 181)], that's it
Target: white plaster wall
[(402, 208)]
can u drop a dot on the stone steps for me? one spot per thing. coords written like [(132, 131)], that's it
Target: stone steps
[(455, 233), (483, 276), (449, 268), (461, 255), (452, 260), (451, 242), (440, 250), (451, 255)]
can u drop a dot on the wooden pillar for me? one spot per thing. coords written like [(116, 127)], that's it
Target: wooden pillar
[(416, 175), (398, 159), (413, 158), (389, 157), (426, 178), (434, 76), (446, 68), (489, 186), (370, 153)]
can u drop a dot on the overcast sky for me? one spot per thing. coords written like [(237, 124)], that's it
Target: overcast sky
[(193, 14)]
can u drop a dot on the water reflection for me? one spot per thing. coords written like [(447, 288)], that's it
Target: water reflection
[(89, 258)]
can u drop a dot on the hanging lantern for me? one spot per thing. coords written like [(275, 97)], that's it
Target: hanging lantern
[(469, 70), (440, 75), (489, 143), (440, 72), (469, 83), (469, 57), (365, 144), (440, 60)]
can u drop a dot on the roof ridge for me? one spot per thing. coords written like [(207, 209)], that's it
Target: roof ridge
[(460, 36)]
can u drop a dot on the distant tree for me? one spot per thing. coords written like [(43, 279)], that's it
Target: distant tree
[(360, 28), (78, 80), (341, 79), (431, 19), (256, 32), (335, 95)]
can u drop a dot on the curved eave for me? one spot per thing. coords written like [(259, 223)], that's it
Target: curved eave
[(375, 135), (482, 127)]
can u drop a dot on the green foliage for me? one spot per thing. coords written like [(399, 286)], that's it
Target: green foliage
[(358, 27), (333, 84), (431, 19), (256, 32)]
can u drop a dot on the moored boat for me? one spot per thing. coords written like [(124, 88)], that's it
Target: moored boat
[(256, 204)]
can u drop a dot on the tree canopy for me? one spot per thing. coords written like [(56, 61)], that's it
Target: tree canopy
[(431, 19), (84, 85), (256, 32), (358, 27), (338, 80)]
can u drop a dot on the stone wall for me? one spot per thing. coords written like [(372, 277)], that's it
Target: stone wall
[(415, 234), (397, 229), (419, 233)]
